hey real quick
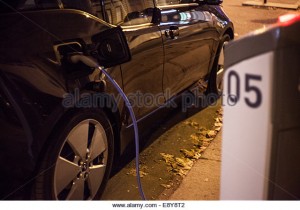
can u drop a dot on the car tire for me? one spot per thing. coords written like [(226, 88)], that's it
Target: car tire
[(77, 162), (215, 83)]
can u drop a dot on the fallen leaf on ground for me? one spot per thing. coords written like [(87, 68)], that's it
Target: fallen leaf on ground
[(207, 139), (168, 158), (188, 153), (191, 154), (192, 123), (194, 137), (185, 163), (167, 186), (198, 144), (202, 133), (211, 134), (179, 166), (220, 111), (218, 124), (217, 129), (197, 155), (221, 119), (132, 171)]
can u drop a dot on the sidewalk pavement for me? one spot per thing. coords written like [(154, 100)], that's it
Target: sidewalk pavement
[(203, 180), (285, 4)]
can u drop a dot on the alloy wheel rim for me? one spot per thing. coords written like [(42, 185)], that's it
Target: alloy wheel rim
[(81, 164)]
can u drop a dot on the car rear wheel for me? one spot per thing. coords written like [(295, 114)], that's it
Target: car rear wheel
[(77, 164), (215, 85)]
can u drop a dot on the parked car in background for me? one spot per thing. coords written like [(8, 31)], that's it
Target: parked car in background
[(56, 144)]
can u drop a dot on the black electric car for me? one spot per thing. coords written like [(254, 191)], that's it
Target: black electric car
[(62, 125)]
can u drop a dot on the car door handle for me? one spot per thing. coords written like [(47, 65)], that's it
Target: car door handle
[(172, 32)]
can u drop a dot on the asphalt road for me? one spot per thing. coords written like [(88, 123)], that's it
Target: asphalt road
[(247, 18), (158, 181)]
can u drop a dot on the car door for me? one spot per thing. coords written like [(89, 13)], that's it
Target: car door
[(142, 76), (189, 41)]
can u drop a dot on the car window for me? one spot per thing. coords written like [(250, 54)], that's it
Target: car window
[(96, 8), (91, 6), (128, 12)]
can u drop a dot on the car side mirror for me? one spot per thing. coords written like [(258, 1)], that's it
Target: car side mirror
[(112, 47)]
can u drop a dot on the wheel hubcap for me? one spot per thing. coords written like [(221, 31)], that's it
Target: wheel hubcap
[(81, 164)]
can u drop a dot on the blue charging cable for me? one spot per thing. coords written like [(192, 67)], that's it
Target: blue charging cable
[(90, 62)]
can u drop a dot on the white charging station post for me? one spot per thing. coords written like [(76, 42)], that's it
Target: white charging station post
[(261, 132)]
